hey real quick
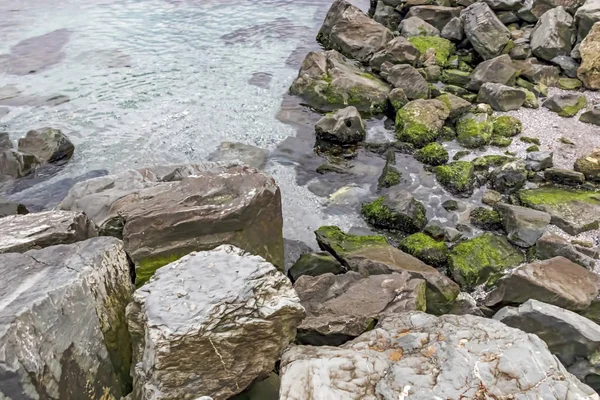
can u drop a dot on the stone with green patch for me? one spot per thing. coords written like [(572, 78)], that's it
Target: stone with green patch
[(507, 126), (443, 47), (457, 177), (426, 249), (396, 210), (566, 105), (486, 219), (420, 121), (474, 130), (589, 165), (433, 154)]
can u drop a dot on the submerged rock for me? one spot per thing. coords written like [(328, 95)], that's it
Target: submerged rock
[(251, 156), (344, 126), (566, 105), (501, 97), (589, 165), (420, 121), (215, 308), (315, 264), (14, 164), (484, 30), (47, 145), (589, 70), (397, 210), (524, 226), (567, 64)]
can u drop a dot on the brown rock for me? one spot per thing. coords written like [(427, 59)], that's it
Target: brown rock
[(589, 70)]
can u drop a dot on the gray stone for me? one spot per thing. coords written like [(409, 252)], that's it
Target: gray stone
[(398, 210), (415, 356), (507, 17), (454, 30), (396, 51), (521, 49), (491, 197), (263, 389), (501, 97), (398, 98), (567, 65), (539, 160), (351, 32), (510, 177), (48, 145), (344, 126), (62, 329), (387, 16), (591, 116), (11, 208), (553, 34), (550, 245), (534, 71), (14, 164), (497, 70), (407, 78), (415, 26), (533, 10), (342, 307), (438, 16), (315, 264), (586, 16), (564, 176), (504, 5), (524, 226), (465, 304), (251, 156), (420, 121), (484, 30), (220, 308), (5, 143)]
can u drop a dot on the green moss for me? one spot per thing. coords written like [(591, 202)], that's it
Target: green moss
[(474, 130), (147, 267), (457, 177), (443, 47), (485, 219), (493, 160), (569, 83), (389, 177), (525, 84), (501, 141), (460, 154), (532, 148), (432, 154), (507, 126), (381, 216), (426, 249), (368, 75), (571, 111), (456, 77), (531, 140), (555, 196), (463, 66), (338, 243), (447, 134), (409, 129), (531, 100)]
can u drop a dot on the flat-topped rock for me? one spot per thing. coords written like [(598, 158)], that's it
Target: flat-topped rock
[(524, 226), (550, 245)]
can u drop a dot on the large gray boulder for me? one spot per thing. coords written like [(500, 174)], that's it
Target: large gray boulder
[(415, 26), (415, 356), (438, 16), (586, 16), (209, 324), (387, 15), (328, 81), (344, 126), (484, 30), (550, 245), (534, 71), (553, 34), (14, 164), (163, 213), (556, 281), (342, 307), (574, 339), (497, 70), (351, 32), (454, 30), (396, 51), (19, 233), (407, 78), (524, 226), (48, 145), (501, 97), (62, 322)]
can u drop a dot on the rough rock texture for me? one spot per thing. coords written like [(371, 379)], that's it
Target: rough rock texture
[(589, 70), (47, 145), (386, 15), (510, 177), (19, 233), (5, 143), (457, 177), (251, 156), (348, 30), (315, 264), (497, 70), (454, 30), (591, 116), (342, 307), (209, 324), (474, 129), (501, 97), (551, 245), (328, 81), (566, 104), (586, 16), (14, 164), (455, 104), (396, 51), (407, 78), (532, 10), (62, 332), (415, 356), (556, 281), (534, 71), (344, 126), (420, 121), (11, 208), (484, 30), (564, 176), (397, 209), (415, 26), (589, 165), (539, 160), (438, 16), (553, 35), (574, 339), (163, 213), (524, 226)]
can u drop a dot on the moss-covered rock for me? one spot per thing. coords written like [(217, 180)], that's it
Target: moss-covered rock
[(457, 177), (390, 176), (460, 154), (530, 140), (510, 177), (473, 261), (531, 101), (501, 141), (492, 160), (486, 219), (314, 264), (419, 122), (447, 134), (566, 105), (340, 244), (589, 165), (398, 99), (432, 154), (443, 47), (396, 210), (455, 104), (456, 77), (532, 148), (507, 126), (426, 249), (569, 83), (474, 130)]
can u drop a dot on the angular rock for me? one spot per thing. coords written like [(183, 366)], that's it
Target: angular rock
[(252, 156), (566, 105), (344, 126), (426, 249), (315, 264), (415, 356), (342, 307), (407, 78), (491, 197), (539, 160), (564, 176), (586, 16), (484, 30), (556, 281), (589, 70), (507, 17), (47, 145), (454, 30), (5, 143), (398, 99), (63, 333), (591, 116), (510, 177), (589, 165), (398, 210), (521, 49), (329, 81), (456, 77), (504, 5), (420, 121), (348, 30), (486, 219), (501, 97), (387, 16), (14, 164), (532, 10), (163, 213), (396, 51), (536, 72), (524, 226), (553, 34), (567, 65), (497, 70), (415, 26), (455, 104), (474, 130), (438, 16), (216, 308), (551, 245), (457, 177), (434, 49), (11, 208)]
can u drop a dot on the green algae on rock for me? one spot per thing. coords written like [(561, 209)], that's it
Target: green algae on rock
[(501, 141), (507, 126), (566, 105), (419, 122), (486, 219), (426, 249), (530, 140), (397, 210), (339, 244), (457, 177), (474, 130), (433, 154), (443, 47)]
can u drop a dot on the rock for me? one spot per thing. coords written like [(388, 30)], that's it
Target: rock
[(465, 304), (329, 81), (553, 34), (252, 156), (5, 143), (556, 281), (426, 249), (532, 10), (14, 164), (47, 145), (507, 126), (435, 50), (407, 78), (564, 176), (521, 49), (591, 116), (420, 121), (569, 83), (491, 197), (573, 211), (539, 160), (20, 233), (397, 210), (589, 70), (372, 255), (566, 105), (585, 17), (315, 264), (501, 97), (163, 213), (507, 17), (456, 77), (63, 322), (344, 126), (396, 51), (450, 205), (486, 219), (510, 177), (264, 389), (524, 226), (484, 30), (342, 307), (11, 208), (348, 30), (531, 100), (221, 307), (474, 130), (573, 339), (496, 70), (454, 30), (403, 355), (433, 154), (455, 104), (589, 165), (504, 5), (457, 177), (390, 176), (536, 72), (473, 261), (551, 245), (438, 16), (415, 26), (567, 65), (387, 16)]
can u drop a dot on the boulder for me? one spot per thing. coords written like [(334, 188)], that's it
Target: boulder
[(5, 143), (398, 99), (342, 307), (14, 164), (344, 126), (532, 10), (573, 339), (221, 308), (62, 331), (573, 211), (539, 160), (569, 83), (48, 145), (372, 255), (553, 34), (407, 78), (474, 130), (491, 197), (457, 177), (426, 249), (328, 81), (521, 49), (550, 245), (456, 77), (507, 126), (501, 97), (249, 155), (510, 177), (566, 105), (163, 213), (485, 219), (454, 30), (11, 208), (496, 70), (434, 49), (504, 5), (433, 154), (398, 210), (438, 16), (455, 104), (589, 165), (315, 264), (387, 16), (484, 30), (397, 51), (567, 65), (351, 32), (534, 71), (591, 116), (420, 122), (556, 281), (589, 70), (473, 261), (415, 26), (418, 356), (20, 233), (585, 17), (524, 226), (564, 176)]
